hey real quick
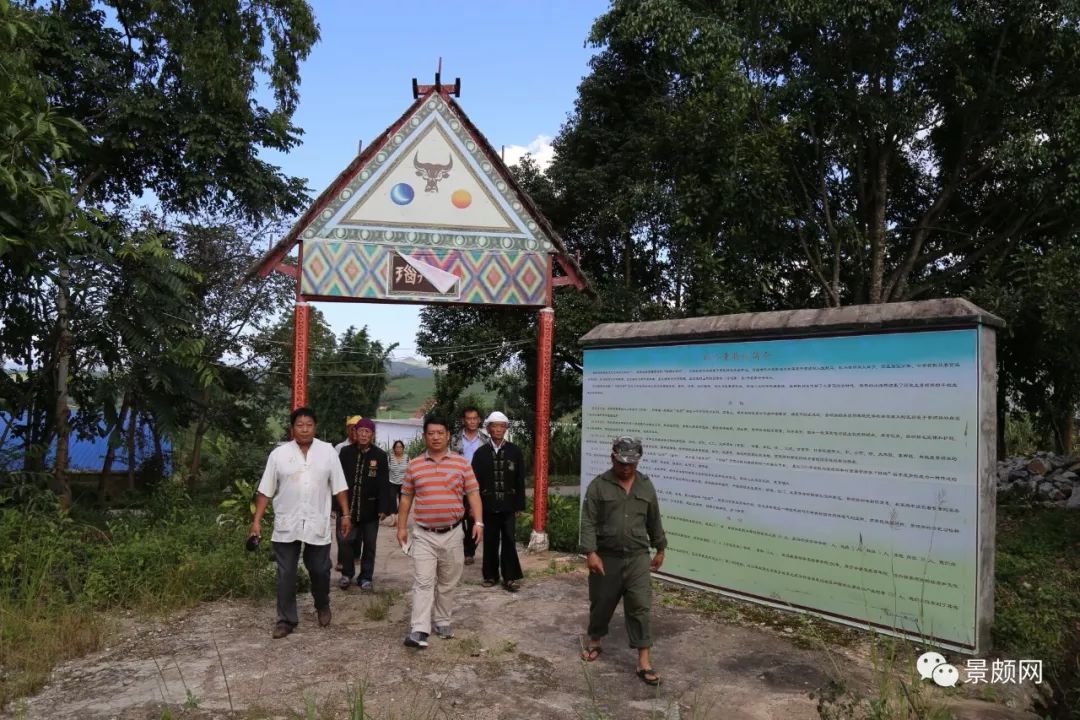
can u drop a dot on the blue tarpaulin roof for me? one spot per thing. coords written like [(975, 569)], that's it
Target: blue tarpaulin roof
[(84, 454)]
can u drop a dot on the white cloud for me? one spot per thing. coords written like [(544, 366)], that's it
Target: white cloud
[(540, 149)]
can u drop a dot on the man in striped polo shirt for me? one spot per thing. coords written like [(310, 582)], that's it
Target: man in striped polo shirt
[(437, 483)]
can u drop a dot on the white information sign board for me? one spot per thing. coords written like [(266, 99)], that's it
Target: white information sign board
[(834, 475)]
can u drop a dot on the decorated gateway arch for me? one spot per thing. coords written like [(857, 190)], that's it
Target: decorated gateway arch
[(429, 213)]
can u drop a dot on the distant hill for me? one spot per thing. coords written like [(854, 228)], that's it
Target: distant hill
[(411, 385), (410, 367)]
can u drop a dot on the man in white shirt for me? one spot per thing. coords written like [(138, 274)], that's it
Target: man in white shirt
[(301, 476)]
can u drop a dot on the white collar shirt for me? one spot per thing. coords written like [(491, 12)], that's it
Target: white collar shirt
[(469, 447), (303, 489)]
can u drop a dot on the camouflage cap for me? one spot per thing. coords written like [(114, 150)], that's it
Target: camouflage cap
[(627, 449)]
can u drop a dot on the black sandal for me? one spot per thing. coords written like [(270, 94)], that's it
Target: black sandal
[(648, 676), (511, 586), (488, 583), (591, 653)]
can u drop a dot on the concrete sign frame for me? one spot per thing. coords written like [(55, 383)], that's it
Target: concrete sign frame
[(863, 509)]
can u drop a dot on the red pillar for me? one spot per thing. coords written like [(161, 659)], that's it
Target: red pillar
[(300, 354), (543, 419)]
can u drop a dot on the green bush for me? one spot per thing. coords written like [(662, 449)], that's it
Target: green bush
[(238, 507), (38, 547), (140, 558), (224, 460), (563, 526), (565, 448), (1022, 437), (171, 564), (58, 568), (1036, 605), (416, 448)]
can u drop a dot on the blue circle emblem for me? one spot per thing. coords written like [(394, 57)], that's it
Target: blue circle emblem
[(402, 193)]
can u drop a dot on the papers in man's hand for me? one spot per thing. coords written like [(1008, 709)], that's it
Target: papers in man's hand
[(407, 547)]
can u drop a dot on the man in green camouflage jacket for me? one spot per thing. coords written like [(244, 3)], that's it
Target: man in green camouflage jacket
[(620, 521)]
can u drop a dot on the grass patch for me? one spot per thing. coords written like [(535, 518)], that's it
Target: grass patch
[(404, 395), (1037, 598), (378, 607), (555, 567), (358, 707), (469, 645), (803, 630), (61, 573), (33, 640), (559, 480)]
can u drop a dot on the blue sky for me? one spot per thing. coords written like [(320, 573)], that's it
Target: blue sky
[(519, 61)]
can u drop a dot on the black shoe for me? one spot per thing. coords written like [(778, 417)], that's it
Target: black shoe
[(281, 630), (416, 640), (469, 560)]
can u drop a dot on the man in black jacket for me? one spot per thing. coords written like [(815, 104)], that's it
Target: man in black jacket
[(371, 498), (499, 467)]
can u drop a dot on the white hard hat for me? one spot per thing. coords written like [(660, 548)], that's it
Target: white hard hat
[(496, 417)]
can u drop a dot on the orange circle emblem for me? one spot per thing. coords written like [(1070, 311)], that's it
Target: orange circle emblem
[(461, 199)]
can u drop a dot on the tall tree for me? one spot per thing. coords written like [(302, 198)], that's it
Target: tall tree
[(170, 100), (133, 319), (724, 157), (352, 378), (1034, 287), (230, 314), (345, 377), (37, 221), (890, 145)]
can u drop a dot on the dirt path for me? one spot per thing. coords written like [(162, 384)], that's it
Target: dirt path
[(515, 656)]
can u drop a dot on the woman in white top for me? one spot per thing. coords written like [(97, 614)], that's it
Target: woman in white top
[(398, 462)]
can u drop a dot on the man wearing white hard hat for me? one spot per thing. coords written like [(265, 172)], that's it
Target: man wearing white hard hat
[(499, 467)]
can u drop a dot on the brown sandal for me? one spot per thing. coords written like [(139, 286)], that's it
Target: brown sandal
[(648, 676), (591, 653)]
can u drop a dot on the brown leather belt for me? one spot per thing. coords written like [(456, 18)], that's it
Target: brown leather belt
[(441, 530)]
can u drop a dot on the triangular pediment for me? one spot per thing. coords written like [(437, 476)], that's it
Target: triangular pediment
[(430, 184)]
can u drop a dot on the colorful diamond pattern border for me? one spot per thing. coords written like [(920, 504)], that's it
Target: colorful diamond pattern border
[(359, 271)]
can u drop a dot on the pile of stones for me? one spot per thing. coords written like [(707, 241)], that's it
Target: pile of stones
[(1045, 477)]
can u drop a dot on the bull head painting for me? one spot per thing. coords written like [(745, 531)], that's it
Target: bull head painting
[(432, 172)]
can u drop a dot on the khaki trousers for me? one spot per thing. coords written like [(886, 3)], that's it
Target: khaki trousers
[(438, 562), (625, 578)]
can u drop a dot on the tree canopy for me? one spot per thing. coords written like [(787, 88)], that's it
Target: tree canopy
[(726, 157), (720, 157), (117, 105)]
